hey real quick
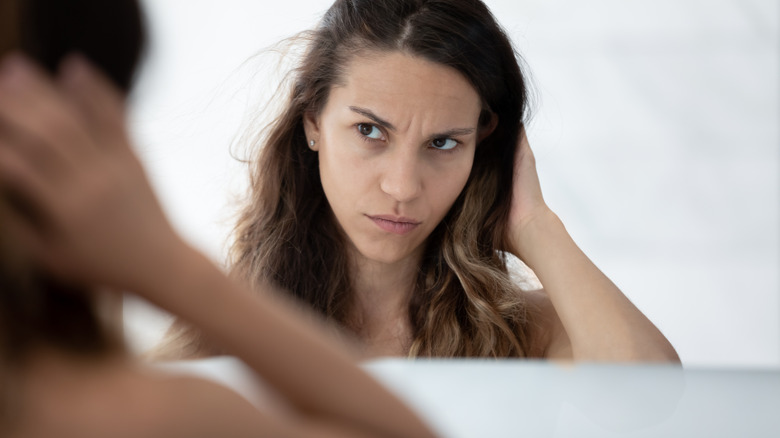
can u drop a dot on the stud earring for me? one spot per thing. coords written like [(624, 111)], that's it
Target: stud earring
[(311, 143)]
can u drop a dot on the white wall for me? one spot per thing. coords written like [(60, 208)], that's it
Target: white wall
[(656, 135)]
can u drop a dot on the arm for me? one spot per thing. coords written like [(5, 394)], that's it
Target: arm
[(320, 379), (192, 407), (599, 322), (91, 217)]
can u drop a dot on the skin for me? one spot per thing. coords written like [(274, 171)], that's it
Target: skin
[(65, 151), (404, 104), (63, 148), (66, 396), (387, 140)]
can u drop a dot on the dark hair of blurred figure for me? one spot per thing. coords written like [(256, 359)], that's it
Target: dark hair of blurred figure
[(36, 309)]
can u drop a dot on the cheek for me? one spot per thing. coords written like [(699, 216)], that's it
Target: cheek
[(446, 186), (342, 173)]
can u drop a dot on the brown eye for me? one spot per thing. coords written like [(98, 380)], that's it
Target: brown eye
[(444, 144), (369, 131)]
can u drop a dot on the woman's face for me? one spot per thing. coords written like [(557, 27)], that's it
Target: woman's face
[(396, 143)]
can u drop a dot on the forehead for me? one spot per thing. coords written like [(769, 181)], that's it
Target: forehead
[(397, 82)]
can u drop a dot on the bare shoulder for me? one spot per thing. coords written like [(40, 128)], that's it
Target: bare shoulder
[(133, 401), (126, 401), (193, 407), (201, 408), (548, 337), (123, 401)]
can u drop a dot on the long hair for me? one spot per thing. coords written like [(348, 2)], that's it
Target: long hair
[(464, 302)]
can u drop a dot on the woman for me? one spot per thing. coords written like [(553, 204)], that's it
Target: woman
[(78, 216), (388, 192)]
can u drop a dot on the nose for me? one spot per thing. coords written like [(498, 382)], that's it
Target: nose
[(402, 177)]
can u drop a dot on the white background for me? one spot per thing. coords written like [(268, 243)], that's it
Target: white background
[(655, 130)]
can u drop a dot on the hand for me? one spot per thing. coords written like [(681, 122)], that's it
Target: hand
[(527, 202), (84, 207)]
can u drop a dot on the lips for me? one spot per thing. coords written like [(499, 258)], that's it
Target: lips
[(394, 224)]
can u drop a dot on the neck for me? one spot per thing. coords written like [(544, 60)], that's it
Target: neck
[(381, 294)]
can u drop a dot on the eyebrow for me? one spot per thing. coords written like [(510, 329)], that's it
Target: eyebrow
[(368, 113), (384, 123)]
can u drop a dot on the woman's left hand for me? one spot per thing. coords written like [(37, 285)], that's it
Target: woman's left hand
[(527, 201), (589, 317)]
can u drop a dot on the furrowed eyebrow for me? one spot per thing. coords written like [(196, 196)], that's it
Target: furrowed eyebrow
[(454, 133), (381, 122), (372, 116)]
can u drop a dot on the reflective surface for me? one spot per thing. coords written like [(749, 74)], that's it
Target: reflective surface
[(512, 398), (655, 131)]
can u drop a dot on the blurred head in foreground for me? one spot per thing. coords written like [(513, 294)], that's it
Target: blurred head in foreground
[(37, 310)]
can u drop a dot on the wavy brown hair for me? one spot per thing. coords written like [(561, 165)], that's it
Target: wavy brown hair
[(464, 303)]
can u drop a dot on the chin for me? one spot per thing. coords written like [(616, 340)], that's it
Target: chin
[(379, 254), (383, 257)]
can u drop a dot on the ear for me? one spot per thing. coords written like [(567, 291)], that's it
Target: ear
[(486, 127), (312, 129)]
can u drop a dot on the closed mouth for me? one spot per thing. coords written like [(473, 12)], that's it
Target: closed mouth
[(394, 224)]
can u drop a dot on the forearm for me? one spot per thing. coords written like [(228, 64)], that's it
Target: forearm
[(315, 375), (601, 322)]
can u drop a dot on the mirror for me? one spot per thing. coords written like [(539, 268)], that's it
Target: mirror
[(655, 131)]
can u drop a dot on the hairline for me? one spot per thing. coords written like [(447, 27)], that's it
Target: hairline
[(374, 50)]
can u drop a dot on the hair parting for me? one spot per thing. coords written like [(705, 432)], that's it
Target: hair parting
[(464, 302)]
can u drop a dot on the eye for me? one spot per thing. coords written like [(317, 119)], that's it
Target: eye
[(369, 130), (444, 144)]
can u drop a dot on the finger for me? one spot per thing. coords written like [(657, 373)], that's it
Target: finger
[(19, 233), (101, 104), (30, 103), (30, 243), (24, 188), (33, 150), (28, 213)]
